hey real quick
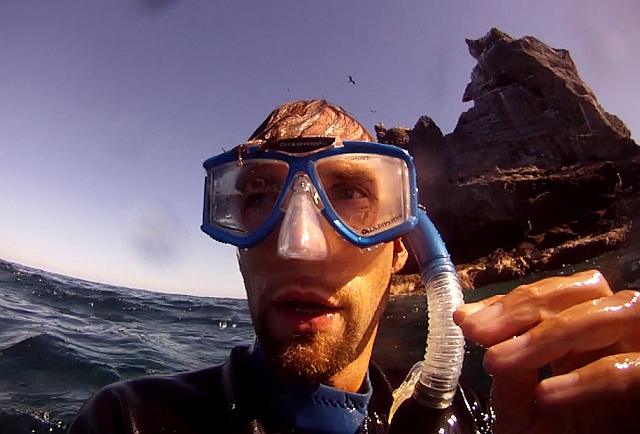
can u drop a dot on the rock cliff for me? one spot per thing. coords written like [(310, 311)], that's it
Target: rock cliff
[(534, 176)]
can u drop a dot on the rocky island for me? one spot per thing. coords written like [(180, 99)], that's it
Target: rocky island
[(536, 175)]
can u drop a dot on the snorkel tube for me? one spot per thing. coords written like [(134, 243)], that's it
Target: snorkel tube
[(432, 382)]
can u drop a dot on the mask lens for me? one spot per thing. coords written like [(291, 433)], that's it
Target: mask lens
[(241, 197), (369, 192)]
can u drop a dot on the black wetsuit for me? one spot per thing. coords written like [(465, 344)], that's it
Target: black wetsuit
[(221, 399)]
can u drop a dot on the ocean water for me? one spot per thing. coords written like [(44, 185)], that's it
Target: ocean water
[(61, 338)]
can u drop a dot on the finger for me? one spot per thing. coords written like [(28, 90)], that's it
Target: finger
[(469, 308), (586, 327), (608, 378), (513, 402), (528, 305)]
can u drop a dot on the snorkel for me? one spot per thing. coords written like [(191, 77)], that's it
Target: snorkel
[(433, 381)]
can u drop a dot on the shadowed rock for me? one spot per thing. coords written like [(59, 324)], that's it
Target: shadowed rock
[(534, 176)]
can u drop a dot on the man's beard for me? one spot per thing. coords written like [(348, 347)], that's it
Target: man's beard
[(312, 357)]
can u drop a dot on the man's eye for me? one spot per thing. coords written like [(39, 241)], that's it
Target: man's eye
[(259, 200), (259, 186), (348, 192), (352, 193)]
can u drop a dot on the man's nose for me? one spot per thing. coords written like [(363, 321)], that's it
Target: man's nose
[(301, 234)]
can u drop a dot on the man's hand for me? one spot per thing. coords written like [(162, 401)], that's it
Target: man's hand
[(589, 336)]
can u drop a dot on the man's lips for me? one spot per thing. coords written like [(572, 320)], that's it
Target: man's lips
[(304, 296), (305, 310)]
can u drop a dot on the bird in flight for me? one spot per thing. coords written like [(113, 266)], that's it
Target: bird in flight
[(351, 80), (373, 111)]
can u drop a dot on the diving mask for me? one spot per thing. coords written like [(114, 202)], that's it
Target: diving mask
[(366, 191)]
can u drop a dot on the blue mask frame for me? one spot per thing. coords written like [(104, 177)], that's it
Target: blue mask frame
[(306, 163)]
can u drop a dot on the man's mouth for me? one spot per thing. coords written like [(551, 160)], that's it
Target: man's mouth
[(308, 308), (305, 310)]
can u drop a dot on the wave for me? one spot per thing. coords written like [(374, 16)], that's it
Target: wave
[(61, 339)]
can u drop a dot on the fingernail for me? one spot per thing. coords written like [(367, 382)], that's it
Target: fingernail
[(470, 308), (487, 314), (462, 312), (510, 347), (556, 389)]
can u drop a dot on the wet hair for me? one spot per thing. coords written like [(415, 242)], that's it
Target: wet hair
[(309, 118)]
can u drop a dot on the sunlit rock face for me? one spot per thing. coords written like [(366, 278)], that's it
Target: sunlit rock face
[(535, 175)]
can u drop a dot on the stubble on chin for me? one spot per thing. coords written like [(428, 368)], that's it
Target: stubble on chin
[(311, 357)]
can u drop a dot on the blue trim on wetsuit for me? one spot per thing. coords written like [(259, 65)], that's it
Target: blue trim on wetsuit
[(312, 408)]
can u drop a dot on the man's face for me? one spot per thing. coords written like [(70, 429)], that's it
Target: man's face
[(314, 318)]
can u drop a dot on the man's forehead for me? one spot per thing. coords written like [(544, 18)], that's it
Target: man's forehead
[(348, 167)]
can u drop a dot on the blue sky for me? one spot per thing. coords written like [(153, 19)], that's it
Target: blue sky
[(109, 107)]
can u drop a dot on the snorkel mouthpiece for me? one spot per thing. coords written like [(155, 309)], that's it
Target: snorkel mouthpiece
[(301, 234)]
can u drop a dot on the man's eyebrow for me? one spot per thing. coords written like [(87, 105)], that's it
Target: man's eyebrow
[(349, 173), (268, 176)]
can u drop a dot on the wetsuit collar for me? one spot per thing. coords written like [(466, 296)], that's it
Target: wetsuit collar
[(311, 408)]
